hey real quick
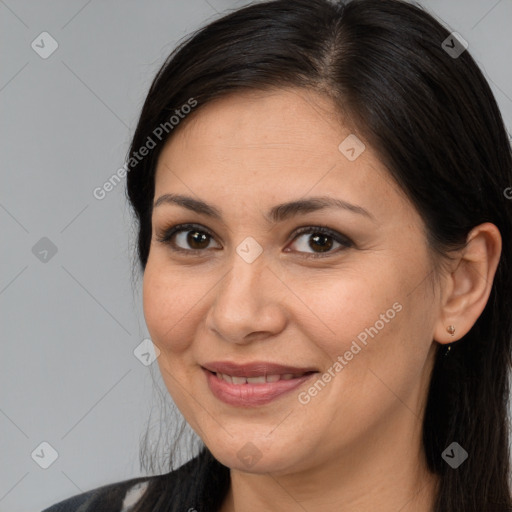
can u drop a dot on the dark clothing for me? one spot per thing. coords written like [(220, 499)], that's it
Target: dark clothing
[(200, 485)]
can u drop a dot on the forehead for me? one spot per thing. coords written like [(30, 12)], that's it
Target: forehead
[(277, 118), (275, 145)]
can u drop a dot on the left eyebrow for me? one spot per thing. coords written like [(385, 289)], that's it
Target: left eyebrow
[(277, 213)]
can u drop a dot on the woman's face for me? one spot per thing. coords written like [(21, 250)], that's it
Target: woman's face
[(353, 304)]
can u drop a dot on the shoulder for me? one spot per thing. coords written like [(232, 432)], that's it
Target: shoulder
[(202, 480), (115, 497)]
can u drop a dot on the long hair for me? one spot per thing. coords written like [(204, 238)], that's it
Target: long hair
[(432, 118)]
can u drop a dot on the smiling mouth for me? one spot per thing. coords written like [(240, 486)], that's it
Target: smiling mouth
[(256, 389), (261, 379)]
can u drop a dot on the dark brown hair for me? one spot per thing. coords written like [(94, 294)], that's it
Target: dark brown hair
[(435, 124)]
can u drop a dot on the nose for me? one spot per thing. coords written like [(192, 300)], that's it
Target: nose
[(249, 303)]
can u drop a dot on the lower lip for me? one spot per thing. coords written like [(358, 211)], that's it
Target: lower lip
[(250, 395)]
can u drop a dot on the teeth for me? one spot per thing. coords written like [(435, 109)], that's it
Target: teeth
[(256, 380), (262, 379)]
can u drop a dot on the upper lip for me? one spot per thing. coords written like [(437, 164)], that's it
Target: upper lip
[(254, 369)]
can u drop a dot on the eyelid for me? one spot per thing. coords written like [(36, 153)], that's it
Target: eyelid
[(164, 236), (318, 228)]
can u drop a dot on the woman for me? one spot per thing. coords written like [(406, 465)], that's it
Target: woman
[(324, 238)]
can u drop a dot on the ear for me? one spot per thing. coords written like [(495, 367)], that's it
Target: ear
[(468, 284)]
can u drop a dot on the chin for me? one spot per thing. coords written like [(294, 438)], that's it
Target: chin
[(257, 456)]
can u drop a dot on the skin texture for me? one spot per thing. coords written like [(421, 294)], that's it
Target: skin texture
[(356, 445)]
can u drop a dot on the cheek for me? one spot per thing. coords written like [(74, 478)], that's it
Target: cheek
[(368, 320), (354, 306), (168, 300), (383, 337)]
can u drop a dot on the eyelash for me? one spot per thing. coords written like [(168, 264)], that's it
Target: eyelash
[(169, 232)]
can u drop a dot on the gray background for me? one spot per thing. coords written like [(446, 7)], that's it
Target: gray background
[(71, 320)]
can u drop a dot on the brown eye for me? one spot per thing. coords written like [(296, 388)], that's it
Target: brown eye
[(318, 240), (196, 239), (186, 238)]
